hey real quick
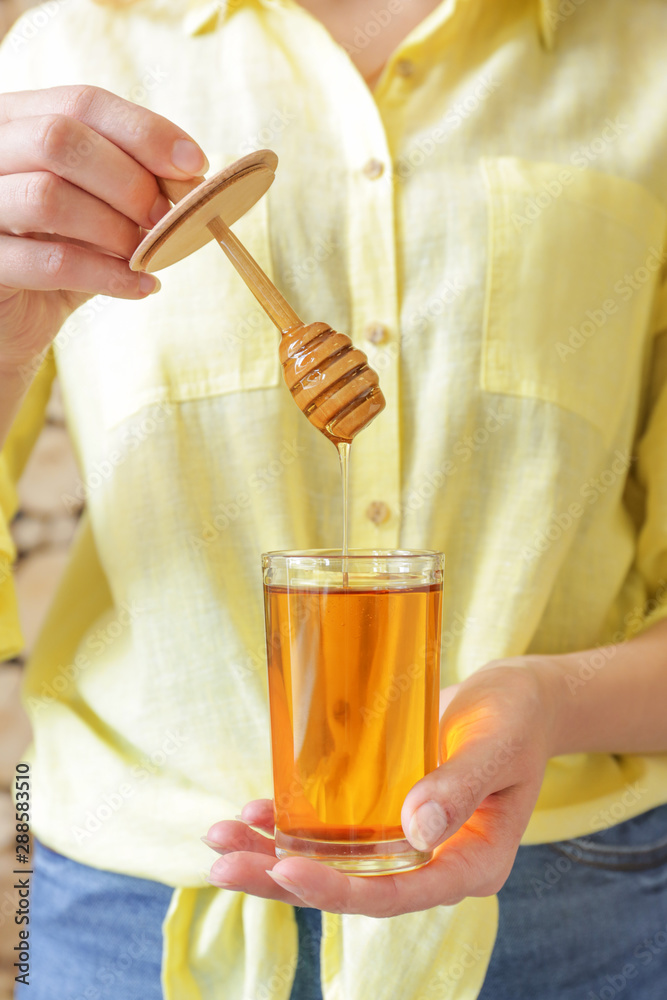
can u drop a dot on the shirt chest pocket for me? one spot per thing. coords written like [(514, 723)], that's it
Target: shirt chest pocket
[(574, 257), (203, 334)]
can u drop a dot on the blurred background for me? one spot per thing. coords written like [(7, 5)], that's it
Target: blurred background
[(42, 530)]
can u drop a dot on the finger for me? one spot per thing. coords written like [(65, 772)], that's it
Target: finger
[(259, 813), (438, 805), (474, 862), (158, 144), (229, 835), (48, 266), (44, 203), (76, 153), (248, 873)]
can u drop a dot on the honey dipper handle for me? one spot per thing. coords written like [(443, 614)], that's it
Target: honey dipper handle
[(274, 304)]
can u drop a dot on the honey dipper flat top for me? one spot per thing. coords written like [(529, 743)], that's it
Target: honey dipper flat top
[(228, 194)]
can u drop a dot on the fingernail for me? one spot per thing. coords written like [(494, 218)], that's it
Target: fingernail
[(160, 207), (427, 826), (211, 843), (285, 883), (188, 157), (148, 284), (221, 883), (218, 877), (239, 816)]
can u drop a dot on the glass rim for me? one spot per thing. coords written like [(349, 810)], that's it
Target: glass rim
[(353, 554)]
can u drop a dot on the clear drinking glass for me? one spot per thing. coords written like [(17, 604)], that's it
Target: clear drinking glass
[(353, 647)]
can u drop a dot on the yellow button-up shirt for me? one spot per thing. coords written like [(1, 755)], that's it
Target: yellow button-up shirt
[(489, 225)]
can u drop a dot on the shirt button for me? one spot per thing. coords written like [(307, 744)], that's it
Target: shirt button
[(378, 512), (376, 333), (405, 68), (373, 169)]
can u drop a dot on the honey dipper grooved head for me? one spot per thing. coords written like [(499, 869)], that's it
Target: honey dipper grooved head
[(330, 380)]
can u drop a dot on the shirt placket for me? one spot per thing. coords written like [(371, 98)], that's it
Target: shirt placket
[(375, 458), (374, 128)]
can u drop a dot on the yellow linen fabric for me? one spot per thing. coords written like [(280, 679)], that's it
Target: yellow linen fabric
[(497, 211)]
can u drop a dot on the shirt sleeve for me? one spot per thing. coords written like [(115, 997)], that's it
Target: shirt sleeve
[(651, 474), (22, 436)]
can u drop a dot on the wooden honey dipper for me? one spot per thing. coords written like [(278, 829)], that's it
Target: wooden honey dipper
[(330, 379)]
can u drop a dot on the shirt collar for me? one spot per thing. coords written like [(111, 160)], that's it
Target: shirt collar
[(204, 15)]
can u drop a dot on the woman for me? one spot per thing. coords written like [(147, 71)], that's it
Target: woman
[(476, 193)]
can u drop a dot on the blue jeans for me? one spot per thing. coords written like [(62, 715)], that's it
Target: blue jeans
[(97, 935), (586, 919), (583, 919)]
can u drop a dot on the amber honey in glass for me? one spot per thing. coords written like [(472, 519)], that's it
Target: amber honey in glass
[(353, 649)]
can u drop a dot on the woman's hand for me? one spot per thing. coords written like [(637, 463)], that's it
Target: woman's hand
[(495, 741), (77, 186)]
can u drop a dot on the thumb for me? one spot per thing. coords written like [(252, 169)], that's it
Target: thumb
[(438, 805)]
